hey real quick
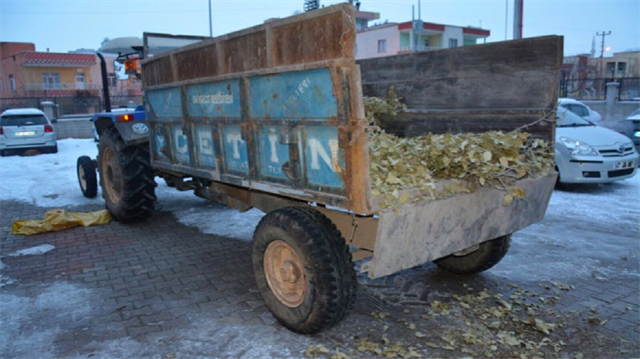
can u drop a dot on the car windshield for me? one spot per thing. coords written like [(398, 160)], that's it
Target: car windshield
[(566, 118), (22, 120), (635, 113)]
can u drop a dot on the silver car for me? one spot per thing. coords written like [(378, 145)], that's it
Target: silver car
[(24, 129), (591, 154)]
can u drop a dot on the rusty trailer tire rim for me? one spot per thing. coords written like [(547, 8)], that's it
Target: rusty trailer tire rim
[(285, 273), (112, 175)]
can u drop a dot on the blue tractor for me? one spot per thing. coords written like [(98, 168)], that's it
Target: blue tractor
[(122, 167)]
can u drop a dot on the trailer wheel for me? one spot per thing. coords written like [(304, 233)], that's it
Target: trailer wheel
[(87, 178), (126, 177), (486, 256), (303, 269)]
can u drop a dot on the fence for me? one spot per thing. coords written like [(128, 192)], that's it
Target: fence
[(71, 105), (629, 88), (596, 89)]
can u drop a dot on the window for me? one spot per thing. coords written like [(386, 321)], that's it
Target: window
[(50, 80), (23, 120), (382, 46), (453, 42), (113, 81), (12, 82), (426, 44), (611, 66), (578, 110), (81, 83), (622, 68)]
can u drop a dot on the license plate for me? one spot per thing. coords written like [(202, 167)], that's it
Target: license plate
[(623, 165), (25, 133)]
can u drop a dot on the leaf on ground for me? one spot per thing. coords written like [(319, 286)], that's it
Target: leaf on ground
[(420, 334), (508, 199), (544, 327), (314, 350), (339, 355)]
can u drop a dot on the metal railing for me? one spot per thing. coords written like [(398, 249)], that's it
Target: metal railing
[(70, 105), (60, 86), (596, 89), (629, 88)]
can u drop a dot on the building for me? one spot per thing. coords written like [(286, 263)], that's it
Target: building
[(584, 76), (396, 38), (620, 65), (28, 73), (71, 80)]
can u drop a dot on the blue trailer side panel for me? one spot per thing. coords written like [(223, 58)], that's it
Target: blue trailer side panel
[(281, 129), (324, 162), (205, 149), (296, 95), (236, 157), (214, 99), (166, 103), (273, 154)]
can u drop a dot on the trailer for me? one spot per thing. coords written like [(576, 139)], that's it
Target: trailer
[(272, 117)]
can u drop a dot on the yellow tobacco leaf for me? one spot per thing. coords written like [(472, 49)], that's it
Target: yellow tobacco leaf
[(518, 192), (508, 199)]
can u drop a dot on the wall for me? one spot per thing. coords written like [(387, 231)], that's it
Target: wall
[(451, 32), (367, 41), (614, 112), (74, 128), (12, 65), (33, 74)]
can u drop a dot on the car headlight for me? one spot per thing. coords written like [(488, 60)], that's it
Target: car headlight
[(578, 148)]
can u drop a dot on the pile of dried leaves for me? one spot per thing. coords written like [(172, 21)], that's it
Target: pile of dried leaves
[(466, 160)]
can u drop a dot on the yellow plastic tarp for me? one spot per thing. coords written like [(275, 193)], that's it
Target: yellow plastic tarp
[(59, 219)]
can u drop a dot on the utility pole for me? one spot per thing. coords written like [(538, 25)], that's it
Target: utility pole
[(518, 8), (210, 23), (603, 34)]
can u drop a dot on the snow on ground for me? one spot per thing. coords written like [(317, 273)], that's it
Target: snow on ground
[(50, 180), (46, 180), (37, 250)]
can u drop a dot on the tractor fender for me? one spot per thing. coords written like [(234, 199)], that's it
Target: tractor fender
[(132, 132)]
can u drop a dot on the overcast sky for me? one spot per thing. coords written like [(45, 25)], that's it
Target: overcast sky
[(65, 25)]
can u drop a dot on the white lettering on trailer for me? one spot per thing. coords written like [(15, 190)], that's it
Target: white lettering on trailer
[(205, 142), (318, 151), (216, 99), (293, 99), (273, 139), (235, 138)]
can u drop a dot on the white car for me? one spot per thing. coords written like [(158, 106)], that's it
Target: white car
[(26, 128), (633, 130), (591, 154), (581, 110)]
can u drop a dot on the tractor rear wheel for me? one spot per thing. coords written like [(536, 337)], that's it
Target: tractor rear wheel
[(126, 178)]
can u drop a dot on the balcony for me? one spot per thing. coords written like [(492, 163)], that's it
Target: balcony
[(60, 86), (405, 50)]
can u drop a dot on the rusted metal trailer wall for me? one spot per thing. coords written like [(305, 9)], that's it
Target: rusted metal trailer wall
[(275, 108)]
